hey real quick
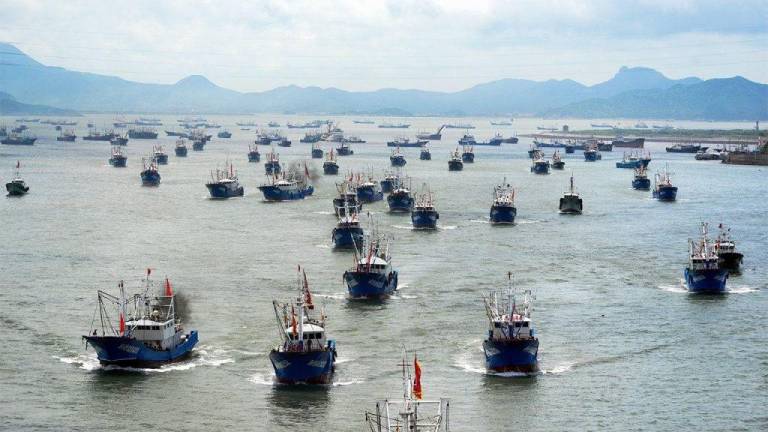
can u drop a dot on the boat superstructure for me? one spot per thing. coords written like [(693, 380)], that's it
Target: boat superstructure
[(424, 215), (118, 159), (503, 210), (372, 275), (224, 183), (571, 202), (17, 186), (725, 248), (663, 190), (287, 187), (703, 273)]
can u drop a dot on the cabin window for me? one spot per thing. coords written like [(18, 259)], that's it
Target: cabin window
[(525, 324)]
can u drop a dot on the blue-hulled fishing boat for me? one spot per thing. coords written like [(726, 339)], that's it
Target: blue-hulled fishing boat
[(372, 276), (330, 166), (272, 164), (424, 216), (406, 142), (160, 156), (400, 199), (344, 149), (467, 154), (571, 202), (348, 233), (294, 186), (118, 159), (663, 190), (305, 355), (540, 166), (424, 154), (641, 181), (397, 159), (224, 184), (181, 148), (503, 210), (198, 145), (703, 273), (317, 151), (725, 247), (630, 160), (148, 333), (557, 161), (592, 154), (389, 181), (467, 139), (511, 345), (254, 155), (455, 163), (346, 202), (368, 190), (17, 186), (150, 176)]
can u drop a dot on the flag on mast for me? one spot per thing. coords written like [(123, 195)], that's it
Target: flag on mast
[(293, 322), (307, 294), (417, 379), (168, 289), (122, 324)]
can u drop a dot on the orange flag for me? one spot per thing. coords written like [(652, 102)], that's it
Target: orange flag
[(168, 289), (417, 380)]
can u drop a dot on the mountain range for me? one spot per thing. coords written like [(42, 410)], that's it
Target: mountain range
[(10, 106), (636, 92)]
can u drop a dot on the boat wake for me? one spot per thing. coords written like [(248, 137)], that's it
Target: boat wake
[(332, 296), (447, 227), (483, 221), (742, 290), (323, 246), (323, 212), (267, 379), (679, 288), (202, 356)]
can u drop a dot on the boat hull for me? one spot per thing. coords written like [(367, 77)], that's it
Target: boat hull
[(398, 161), (129, 352), (516, 355), (424, 219), (571, 205), (400, 202), (313, 367), (317, 153), (254, 156), (181, 151), (369, 194), (347, 237), (706, 281), (366, 285), (468, 157), (635, 143), (641, 183), (425, 156), (454, 165), (16, 189), (501, 215), (540, 168), (161, 159), (558, 165), (668, 193), (590, 156), (224, 191), (730, 260), (276, 193), (330, 169), (629, 164), (118, 162), (150, 178), (387, 185)]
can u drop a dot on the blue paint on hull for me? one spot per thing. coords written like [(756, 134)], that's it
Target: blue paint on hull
[(272, 167), (118, 162), (347, 237), (503, 215), (317, 153), (706, 281), (161, 159), (313, 367), (370, 285), (540, 168), (512, 356), (274, 193), (591, 156), (665, 193), (425, 155), (221, 191), (127, 351), (468, 157), (387, 185), (397, 161), (454, 165), (424, 219), (629, 164), (254, 156), (181, 151), (400, 202), (330, 168), (369, 194), (641, 183), (150, 178)]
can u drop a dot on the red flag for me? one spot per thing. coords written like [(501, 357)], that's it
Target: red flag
[(306, 171), (122, 324), (168, 289), (307, 294), (417, 380), (293, 322)]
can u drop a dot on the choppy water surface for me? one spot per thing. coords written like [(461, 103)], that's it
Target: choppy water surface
[(623, 346)]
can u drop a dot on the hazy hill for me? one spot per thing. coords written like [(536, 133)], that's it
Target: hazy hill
[(10, 106)]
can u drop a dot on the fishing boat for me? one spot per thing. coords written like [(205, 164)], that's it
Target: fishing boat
[(175, 134), (400, 199), (662, 187), (364, 121), (704, 155), (467, 139), (390, 180), (118, 140), (503, 210), (467, 154), (160, 156), (397, 159), (437, 136), (725, 248), (685, 148), (557, 162), (592, 154), (348, 233), (372, 276), (540, 166), (424, 154), (17, 186), (628, 143), (629, 161), (501, 123), (198, 145), (553, 143), (394, 126), (344, 150), (95, 135), (272, 165), (545, 128), (602, 125), (511, 345), (181, 148), (424, 216), (570, 149), (293, 186), (311, 137), (15, 138), (118, 159), (411, 413), (645, 159), (455, 163), (535, 153), (142, 133), (459, 126), (150, 176), (641, 180), (369, 190), (224, 184), (317, 151), (305, 355), (67, 135), (571, 202), (148, 332), (703, 273), (346, 202), (263, 138), (273, 124), (282, 142), (224, 134), (253, 153), (330, 166), (406, 142), (495, 141), (604, 147)]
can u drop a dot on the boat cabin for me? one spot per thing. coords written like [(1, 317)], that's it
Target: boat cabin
[(313, 338), (516, 327)]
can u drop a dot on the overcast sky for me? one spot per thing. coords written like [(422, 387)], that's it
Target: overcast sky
[(365, 45)]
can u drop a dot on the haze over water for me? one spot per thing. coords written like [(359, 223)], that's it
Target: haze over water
[(623, 346)]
